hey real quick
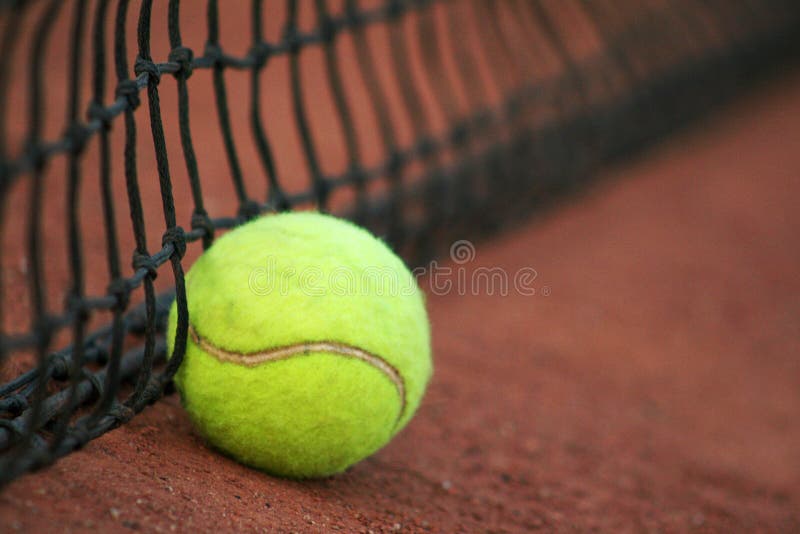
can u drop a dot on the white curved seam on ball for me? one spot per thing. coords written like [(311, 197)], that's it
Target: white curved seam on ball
[(252, 359)]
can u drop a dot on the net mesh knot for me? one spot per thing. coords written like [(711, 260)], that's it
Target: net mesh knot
[(145, 66), (59, 367), (427, 147), (97, 112), (95, 381), (129, 90), (183, 56), (292, 39), (249, 210), (213, 52), (460, 134), (15, 404), (121, 291), (260, 53), (144, 261), (353, 16), (201, 221), (121, 413), (395, 163), (327, 29), (76, 305), (80, 435), (175, 237), (395, 9), (78, 136), (11, 426)]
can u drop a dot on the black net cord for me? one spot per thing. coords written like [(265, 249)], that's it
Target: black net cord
[(117, 287), (261, 53), (42, 327), (386, 129), (247, 207), (183, 57), (148, 386), (75, 293), (342, 107)]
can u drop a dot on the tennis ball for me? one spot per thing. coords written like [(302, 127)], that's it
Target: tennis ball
[(308, 346)]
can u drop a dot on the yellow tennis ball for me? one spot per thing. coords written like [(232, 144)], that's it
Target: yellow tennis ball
[(309, 344)]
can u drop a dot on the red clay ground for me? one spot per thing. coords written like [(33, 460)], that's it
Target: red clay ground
[(657, 388)]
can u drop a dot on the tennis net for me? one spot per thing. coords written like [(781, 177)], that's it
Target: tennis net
[(124, 124)]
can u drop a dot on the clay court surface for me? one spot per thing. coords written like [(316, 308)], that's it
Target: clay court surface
[(655, 389)]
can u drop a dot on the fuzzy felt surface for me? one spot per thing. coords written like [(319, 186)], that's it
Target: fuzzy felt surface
[(294, 278)]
